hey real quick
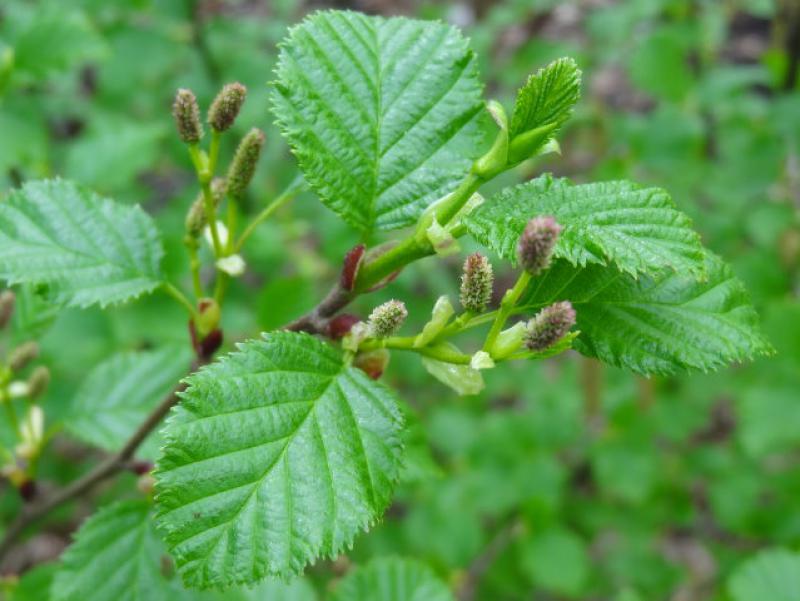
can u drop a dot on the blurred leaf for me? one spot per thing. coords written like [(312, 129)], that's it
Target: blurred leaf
[(116, 555), (556, 560), (391, 579), (660, 65), (119, 393), (112, 153), (772, 574), (35, 583), (52, 38)]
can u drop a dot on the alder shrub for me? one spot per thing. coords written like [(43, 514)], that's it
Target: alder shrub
[(279, 453)]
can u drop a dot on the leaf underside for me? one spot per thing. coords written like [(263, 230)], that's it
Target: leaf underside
[(115, 557), (277, 454), (637, 229), (655, 324), (87, 249), (392, 579), (382, 114)]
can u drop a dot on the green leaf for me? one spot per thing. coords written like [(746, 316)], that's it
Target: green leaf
[(638, 229), (48, 39), (556, 560), (382, 114), (655, 324), (277, 454), (86, 248), (392, 579), (773, 574), (116, 556), (119, 393), (547, 98), (35, 583)]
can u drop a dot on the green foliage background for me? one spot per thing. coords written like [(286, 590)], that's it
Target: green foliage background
[(576, 481)]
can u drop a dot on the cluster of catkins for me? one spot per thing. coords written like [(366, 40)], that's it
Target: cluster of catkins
[(534, 252), (221, 115)]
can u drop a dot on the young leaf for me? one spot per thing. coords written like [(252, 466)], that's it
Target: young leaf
[(381, 113), (117, 395), (547, 97), (773, 574), (87, 249), (116, 556), (392, 579), (638, 229), (277, 454), (655, 324)]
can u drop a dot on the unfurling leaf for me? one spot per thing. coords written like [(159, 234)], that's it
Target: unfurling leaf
[(87, 249), (542, 106), (277, 454), (381, 113)]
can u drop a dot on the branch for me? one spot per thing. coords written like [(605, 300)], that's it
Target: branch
[(104, 470), (479, 566)]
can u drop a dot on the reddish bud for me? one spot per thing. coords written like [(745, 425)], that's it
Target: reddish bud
[(340, 326), (28, 490), (352, 264), (207, 346), (140, 467), (536, 244), (372, 363)]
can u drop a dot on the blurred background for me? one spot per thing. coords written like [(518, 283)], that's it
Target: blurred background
[(563, 479)]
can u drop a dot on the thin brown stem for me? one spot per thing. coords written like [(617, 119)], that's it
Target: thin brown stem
[(104, 470)]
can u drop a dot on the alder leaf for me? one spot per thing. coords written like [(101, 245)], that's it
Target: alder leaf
[(392, 579), (116, 556), (382, 114), (277, 454), (772, 574), (87, 249), (655, 324), (119, 393), (547, 98), (638, 229)]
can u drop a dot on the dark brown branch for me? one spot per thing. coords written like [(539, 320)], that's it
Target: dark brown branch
[(316, 320), (104, 470)]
